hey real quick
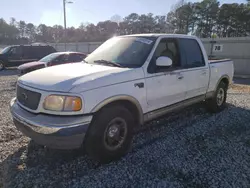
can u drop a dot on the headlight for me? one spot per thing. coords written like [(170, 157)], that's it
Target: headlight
[(62, 103)]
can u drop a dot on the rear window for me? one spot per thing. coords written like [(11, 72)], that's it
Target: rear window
[(191, 53), (45, 50)]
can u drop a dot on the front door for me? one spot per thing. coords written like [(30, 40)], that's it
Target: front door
[(165, 86), (15, 56)]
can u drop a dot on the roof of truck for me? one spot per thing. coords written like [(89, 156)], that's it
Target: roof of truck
[(30, 45), (160, 35), (68, 52)]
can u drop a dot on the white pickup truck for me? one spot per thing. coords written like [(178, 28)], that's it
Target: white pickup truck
[(127, 81)]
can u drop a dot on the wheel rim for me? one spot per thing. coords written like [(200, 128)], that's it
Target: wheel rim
[(220, 96), (115, 133), (1, 66)]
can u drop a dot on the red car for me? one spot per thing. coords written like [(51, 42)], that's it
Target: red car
[(53, 59)]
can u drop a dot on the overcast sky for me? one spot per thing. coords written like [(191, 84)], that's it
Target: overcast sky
[(50, 12)]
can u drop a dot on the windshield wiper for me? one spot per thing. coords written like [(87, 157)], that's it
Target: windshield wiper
[(84, 61), (102, 61)]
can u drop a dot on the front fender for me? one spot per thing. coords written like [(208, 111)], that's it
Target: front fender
[(117, 98)]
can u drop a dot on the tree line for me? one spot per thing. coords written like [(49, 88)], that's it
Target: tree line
[(204, 19)]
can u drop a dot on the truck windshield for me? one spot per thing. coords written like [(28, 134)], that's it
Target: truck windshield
[(126, 51), (5, 50)]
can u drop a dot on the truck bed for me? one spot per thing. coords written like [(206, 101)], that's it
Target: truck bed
[(219, 68), (212, 61)]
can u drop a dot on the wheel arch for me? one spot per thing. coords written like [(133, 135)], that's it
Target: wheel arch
[(2, 62), (225, 79), (129, 102)]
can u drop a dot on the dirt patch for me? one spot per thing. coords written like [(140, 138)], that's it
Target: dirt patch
[(241, 88)]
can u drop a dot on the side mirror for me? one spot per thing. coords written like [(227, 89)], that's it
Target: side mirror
[(164, 61)]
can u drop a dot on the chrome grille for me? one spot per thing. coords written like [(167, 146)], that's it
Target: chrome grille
[(27, 98)]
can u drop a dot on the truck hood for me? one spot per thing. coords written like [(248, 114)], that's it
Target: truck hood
[(77, 76)]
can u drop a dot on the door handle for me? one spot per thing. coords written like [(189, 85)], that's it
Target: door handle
[(180, 77), (139, 85), (203, 72)]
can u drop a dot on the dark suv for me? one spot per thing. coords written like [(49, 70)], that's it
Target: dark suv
[(13, 56)]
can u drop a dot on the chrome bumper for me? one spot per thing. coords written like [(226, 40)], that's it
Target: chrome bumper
[(60, 132)]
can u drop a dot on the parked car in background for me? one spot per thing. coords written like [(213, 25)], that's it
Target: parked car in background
[(13, 56), (53, 59), (127, 81)]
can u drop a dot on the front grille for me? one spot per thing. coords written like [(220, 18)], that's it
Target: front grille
[(27, 98)]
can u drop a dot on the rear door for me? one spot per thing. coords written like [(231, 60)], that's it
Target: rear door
[(29, 54), (195, 72), (41, 51), (36, 53)]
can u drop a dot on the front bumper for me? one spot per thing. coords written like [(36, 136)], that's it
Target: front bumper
[(59, 132)]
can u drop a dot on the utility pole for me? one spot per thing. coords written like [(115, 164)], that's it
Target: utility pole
[(65, 20), (65, 27), (64, 13)]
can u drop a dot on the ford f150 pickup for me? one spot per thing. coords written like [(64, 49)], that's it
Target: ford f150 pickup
[(127, 81)]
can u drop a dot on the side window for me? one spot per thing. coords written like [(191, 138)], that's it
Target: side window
[(32, 52), (65, 58), (192, 53), (60, 60), (27, 52), (51, 49), (38, 52), (167, 47), (47, 50), (16, 51), (43, 51), (76, 57)]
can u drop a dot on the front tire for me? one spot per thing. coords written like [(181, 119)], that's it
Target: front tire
[(110, 134), (218, 102), (1, 65)]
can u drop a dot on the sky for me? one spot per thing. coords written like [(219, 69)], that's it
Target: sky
[(50, 12)]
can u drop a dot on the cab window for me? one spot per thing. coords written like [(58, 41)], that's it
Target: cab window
[(169, 48), (16, 51), (191, 53)]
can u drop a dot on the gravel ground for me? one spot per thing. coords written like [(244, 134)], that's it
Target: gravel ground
[(191, 148)]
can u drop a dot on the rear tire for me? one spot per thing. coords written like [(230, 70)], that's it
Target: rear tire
[(1, 65), (110, 134), (218, 102)]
